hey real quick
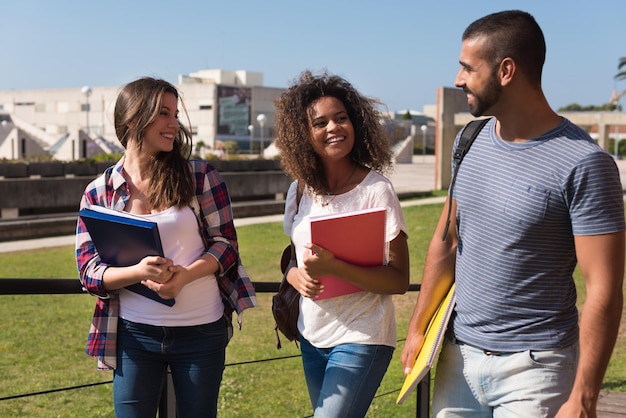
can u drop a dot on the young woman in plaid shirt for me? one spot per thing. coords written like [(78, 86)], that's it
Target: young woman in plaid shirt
[(134, 335)]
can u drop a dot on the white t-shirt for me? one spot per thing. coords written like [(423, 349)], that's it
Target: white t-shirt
[(358, 318), (199, 302)]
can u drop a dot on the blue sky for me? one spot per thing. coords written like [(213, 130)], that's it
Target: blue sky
[(397, 51)]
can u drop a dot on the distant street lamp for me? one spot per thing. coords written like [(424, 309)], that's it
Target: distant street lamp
[(261, 119), (86, 90), (424, 128), (251, 130)]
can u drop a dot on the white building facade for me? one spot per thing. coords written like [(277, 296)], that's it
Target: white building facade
[(77, 123)]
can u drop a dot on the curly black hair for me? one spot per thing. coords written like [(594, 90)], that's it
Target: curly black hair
[(293, 130)]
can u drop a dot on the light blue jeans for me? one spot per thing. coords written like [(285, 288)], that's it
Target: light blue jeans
[(343, 380), (195, 356), (472, 383)]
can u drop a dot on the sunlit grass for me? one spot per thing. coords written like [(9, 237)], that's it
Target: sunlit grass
[(42, 339)]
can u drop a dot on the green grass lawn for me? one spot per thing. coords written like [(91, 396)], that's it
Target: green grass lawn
[(42, 339)]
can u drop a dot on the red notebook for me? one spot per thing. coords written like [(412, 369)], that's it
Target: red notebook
[(357, 237)]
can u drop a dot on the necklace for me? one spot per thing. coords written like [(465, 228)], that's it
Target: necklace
[(338, 188)]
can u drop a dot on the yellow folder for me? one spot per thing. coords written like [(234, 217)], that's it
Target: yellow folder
[(431, 347)]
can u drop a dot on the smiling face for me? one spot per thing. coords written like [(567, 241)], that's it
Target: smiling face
[(478, 79), (159, 134), (332, 133)]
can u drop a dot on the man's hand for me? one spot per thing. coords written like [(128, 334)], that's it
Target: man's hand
[(412, 347)]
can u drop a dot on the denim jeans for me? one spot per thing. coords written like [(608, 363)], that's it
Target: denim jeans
[(195, 356), (470, 382), (343, 380)]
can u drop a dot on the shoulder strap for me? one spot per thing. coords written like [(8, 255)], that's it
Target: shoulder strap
[(469, 134), (299, 191)]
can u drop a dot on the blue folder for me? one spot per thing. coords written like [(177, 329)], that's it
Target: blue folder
[(123, 241)]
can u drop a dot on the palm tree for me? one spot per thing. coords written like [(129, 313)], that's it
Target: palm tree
[(622, 74)]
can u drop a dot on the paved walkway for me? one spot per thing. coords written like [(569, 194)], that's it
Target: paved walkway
[(416, 177)]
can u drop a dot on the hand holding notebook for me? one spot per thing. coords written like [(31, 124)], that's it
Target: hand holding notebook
[(433, 339), (123, 239), (356, 237)]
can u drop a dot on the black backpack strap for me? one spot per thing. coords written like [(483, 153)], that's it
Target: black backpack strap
[(469, 134)]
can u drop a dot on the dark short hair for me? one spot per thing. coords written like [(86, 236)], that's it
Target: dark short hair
[(514, 34)]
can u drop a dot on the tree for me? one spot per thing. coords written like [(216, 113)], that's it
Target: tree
[(231, 147), (199, 146), (575, 107), (622, 74)]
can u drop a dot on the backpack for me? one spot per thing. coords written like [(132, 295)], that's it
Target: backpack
[(286, 303), (469, 134)]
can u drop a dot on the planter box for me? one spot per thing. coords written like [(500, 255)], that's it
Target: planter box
[(80, 168), (245, 165), (13, 170), (46, 169)]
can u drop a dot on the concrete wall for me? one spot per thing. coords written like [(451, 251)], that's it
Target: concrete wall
[(449, 102), (41, 199), (43, 187)]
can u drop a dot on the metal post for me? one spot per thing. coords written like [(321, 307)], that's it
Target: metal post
[(251, 130), (424, 129), (422, 409), (87, 92), (167, 403), (261, 119)]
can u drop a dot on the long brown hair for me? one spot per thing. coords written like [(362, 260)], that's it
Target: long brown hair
[(137, 106)]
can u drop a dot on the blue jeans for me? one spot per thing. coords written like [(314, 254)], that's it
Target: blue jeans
[(472, 383), (343, 380), (195, 356)]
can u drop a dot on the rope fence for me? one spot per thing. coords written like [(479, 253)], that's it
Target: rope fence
[(167, 409)]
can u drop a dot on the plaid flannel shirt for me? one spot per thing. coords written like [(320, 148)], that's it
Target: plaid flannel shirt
[(216, 227)]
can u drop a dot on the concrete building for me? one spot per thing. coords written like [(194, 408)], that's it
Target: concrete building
[(76, 123), (16, 143)]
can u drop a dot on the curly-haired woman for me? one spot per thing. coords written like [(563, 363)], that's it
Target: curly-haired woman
[(334, 145)]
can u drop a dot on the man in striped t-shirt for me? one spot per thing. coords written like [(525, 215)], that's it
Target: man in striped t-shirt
[(534, 196)]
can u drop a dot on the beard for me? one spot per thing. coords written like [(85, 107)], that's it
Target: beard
[(486, 98)]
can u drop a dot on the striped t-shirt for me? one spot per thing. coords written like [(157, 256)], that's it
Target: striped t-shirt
[(519, 207)]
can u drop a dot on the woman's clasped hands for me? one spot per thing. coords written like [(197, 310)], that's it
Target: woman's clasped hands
[(161, 275)]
